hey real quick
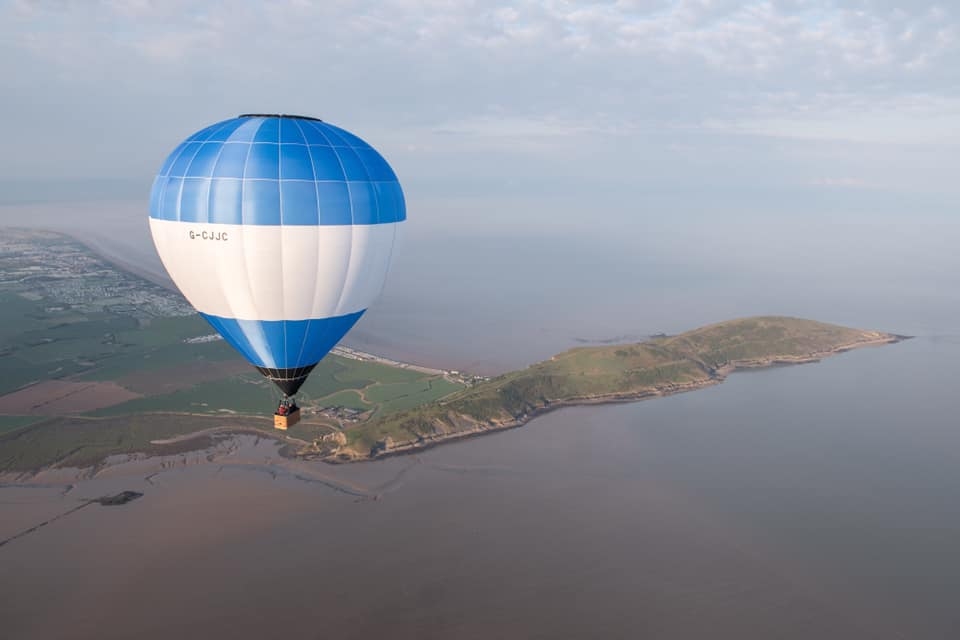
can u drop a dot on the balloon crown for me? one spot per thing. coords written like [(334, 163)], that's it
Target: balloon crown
[(277, 115)]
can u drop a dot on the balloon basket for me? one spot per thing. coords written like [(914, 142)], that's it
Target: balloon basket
[(283, 422)]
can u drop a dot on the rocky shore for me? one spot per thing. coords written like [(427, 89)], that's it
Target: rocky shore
[(457, 426)]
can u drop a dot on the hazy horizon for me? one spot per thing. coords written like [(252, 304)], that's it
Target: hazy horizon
[(493, 300), (657, 107)]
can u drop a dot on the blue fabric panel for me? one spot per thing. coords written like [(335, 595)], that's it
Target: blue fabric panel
[(334, 203), (210, 131), (377, 168), (312, 135), (203, 163), (342, 134), (295, 163), (156, 193), (244, 336), (168, 163), (262, 154), (390, 201), (269, 131), (171, 199), (298, 335), (364, 202), (246, 131), (326, 164), (261, 202), (283, 344), (226, 201), (233, 158), (193, 200), (352, 166), (273, 336), (180, 166), (226, 131), (263, 162), (290, 131), (204, 133), (332, 134), (315, 132), (299, 200)]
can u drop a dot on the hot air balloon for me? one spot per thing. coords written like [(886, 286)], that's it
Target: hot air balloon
[(279, 230)]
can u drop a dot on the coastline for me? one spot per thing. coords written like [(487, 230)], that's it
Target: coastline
[(719, 376), (209, 443), (344, 348), (240, 448), (700, 368), (98, 249)]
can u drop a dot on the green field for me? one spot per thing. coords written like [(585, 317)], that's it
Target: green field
[(591, 374), (349, 399), (339, 384), (19, 316), (244, 394), (335, 374), (12, 423), (135, 359), (67, 315), (402, 396)]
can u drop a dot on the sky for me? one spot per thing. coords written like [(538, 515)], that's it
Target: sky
[(509, 111)]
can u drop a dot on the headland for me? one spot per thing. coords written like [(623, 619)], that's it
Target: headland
[(606, 374), (99, 362)]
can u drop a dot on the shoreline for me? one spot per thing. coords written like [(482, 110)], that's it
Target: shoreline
[(238, 449), (206, 440), (720, 375), (342, 349), (117, 262), (459, 423)]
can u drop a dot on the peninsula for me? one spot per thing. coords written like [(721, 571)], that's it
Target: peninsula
[(96, 361), (594, 375)]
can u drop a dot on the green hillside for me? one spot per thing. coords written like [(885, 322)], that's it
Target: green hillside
[(609, 373)]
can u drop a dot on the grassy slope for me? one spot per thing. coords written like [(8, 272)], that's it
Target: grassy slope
[(44, 337), (580, 375), (12, 423), (611, 372), (747, 339)]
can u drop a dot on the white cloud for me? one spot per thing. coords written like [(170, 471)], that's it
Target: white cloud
[(562, 78), (855, 183), (909, 119)]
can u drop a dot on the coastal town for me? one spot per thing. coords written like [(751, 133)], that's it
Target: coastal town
[(39, 265)]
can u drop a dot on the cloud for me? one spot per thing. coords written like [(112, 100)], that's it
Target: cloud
[(907, 119), (855, 183), (669, 85)]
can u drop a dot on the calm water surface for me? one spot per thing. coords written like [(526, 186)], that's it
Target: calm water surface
[(799, 502)]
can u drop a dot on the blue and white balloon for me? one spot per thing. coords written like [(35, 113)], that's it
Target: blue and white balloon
[(279, 231)]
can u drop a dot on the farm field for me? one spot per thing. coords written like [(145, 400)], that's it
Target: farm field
[(84, 343)]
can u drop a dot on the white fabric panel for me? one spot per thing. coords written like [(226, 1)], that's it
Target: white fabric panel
[(369, 261), (275, 272)]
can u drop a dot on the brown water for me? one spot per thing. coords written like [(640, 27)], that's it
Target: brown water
[(816, 501)]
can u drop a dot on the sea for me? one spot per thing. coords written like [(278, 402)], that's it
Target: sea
[(812, 501)]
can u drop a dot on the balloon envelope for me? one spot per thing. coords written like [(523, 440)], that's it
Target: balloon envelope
[(279, 231)]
